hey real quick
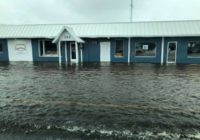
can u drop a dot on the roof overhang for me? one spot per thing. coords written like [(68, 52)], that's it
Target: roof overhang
[(67, 34)]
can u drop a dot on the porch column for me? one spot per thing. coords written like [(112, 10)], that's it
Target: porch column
[(162, 50), (77, 57), (81, 46), (59, 52), (65, 52), (129, 49)]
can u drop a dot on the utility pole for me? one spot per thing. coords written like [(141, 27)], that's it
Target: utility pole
[(131, 16)]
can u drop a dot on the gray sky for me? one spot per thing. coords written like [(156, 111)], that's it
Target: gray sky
[(76, 11)]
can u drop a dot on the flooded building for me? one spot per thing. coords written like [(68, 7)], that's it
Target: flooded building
[(136, 42)]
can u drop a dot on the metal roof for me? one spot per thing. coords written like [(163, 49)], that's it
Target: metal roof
[(134, 29)]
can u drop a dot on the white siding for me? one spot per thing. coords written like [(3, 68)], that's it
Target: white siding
[(20, 50)]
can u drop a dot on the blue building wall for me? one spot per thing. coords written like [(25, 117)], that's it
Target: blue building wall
[(91, 50), (68, 52), (147, 59), (4, 55), (37, 58), (123, 59), (182, 44)]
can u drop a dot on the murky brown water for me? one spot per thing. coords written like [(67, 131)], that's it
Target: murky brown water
[(118, 101)]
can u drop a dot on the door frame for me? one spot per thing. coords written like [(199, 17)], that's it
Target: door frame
[(72, 60), (176, 42), (109, 51)]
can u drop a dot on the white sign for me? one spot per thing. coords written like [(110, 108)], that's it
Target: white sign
[(145, 47), (20, 47), (66, 36)]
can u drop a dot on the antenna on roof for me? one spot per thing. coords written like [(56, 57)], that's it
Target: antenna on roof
[(131, 16)]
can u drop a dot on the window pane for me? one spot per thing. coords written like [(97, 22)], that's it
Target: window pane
[(1, 47), (41, 48), (145, 49), (194, 49), (172, 52), (119, 50), (50, 48)]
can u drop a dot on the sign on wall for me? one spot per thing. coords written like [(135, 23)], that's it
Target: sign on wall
[(66, 36), (145, 47), (20, 47)]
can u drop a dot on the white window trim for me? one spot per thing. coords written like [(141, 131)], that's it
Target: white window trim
[(43, 42), (143, 56), (176, 42), (116, 46), (187, 51)]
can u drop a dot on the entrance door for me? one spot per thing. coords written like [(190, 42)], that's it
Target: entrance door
[(171, 52), (73, 52), (105, 51), (64, 47)]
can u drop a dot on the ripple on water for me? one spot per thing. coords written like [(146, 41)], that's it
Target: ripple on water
[(143, 101)]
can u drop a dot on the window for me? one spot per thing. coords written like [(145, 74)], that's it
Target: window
[(1, 47), (119, 50), (194, 49), (47, 48), (145, 49)]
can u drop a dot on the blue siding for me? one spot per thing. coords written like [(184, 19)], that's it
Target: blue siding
[(182, 50), (113, 50), (91, 50), (141, 59), (68, 52), (63, 58), (37, 58), (4, 55)]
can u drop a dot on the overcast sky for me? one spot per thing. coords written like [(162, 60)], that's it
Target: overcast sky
[(81, 11)]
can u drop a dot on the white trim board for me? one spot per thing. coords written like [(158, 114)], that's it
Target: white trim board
[(176, 42)]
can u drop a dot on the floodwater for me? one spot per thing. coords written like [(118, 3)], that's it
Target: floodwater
[(99, 101)]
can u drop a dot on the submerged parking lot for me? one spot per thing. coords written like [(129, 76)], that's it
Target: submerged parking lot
[(99, 101)]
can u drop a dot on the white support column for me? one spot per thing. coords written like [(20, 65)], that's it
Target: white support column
[(162, 50), (77, 57), (66, 52), (129, 49), (59, 52), (81, 53)]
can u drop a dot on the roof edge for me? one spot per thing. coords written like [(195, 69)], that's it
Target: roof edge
[(156, 21)]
